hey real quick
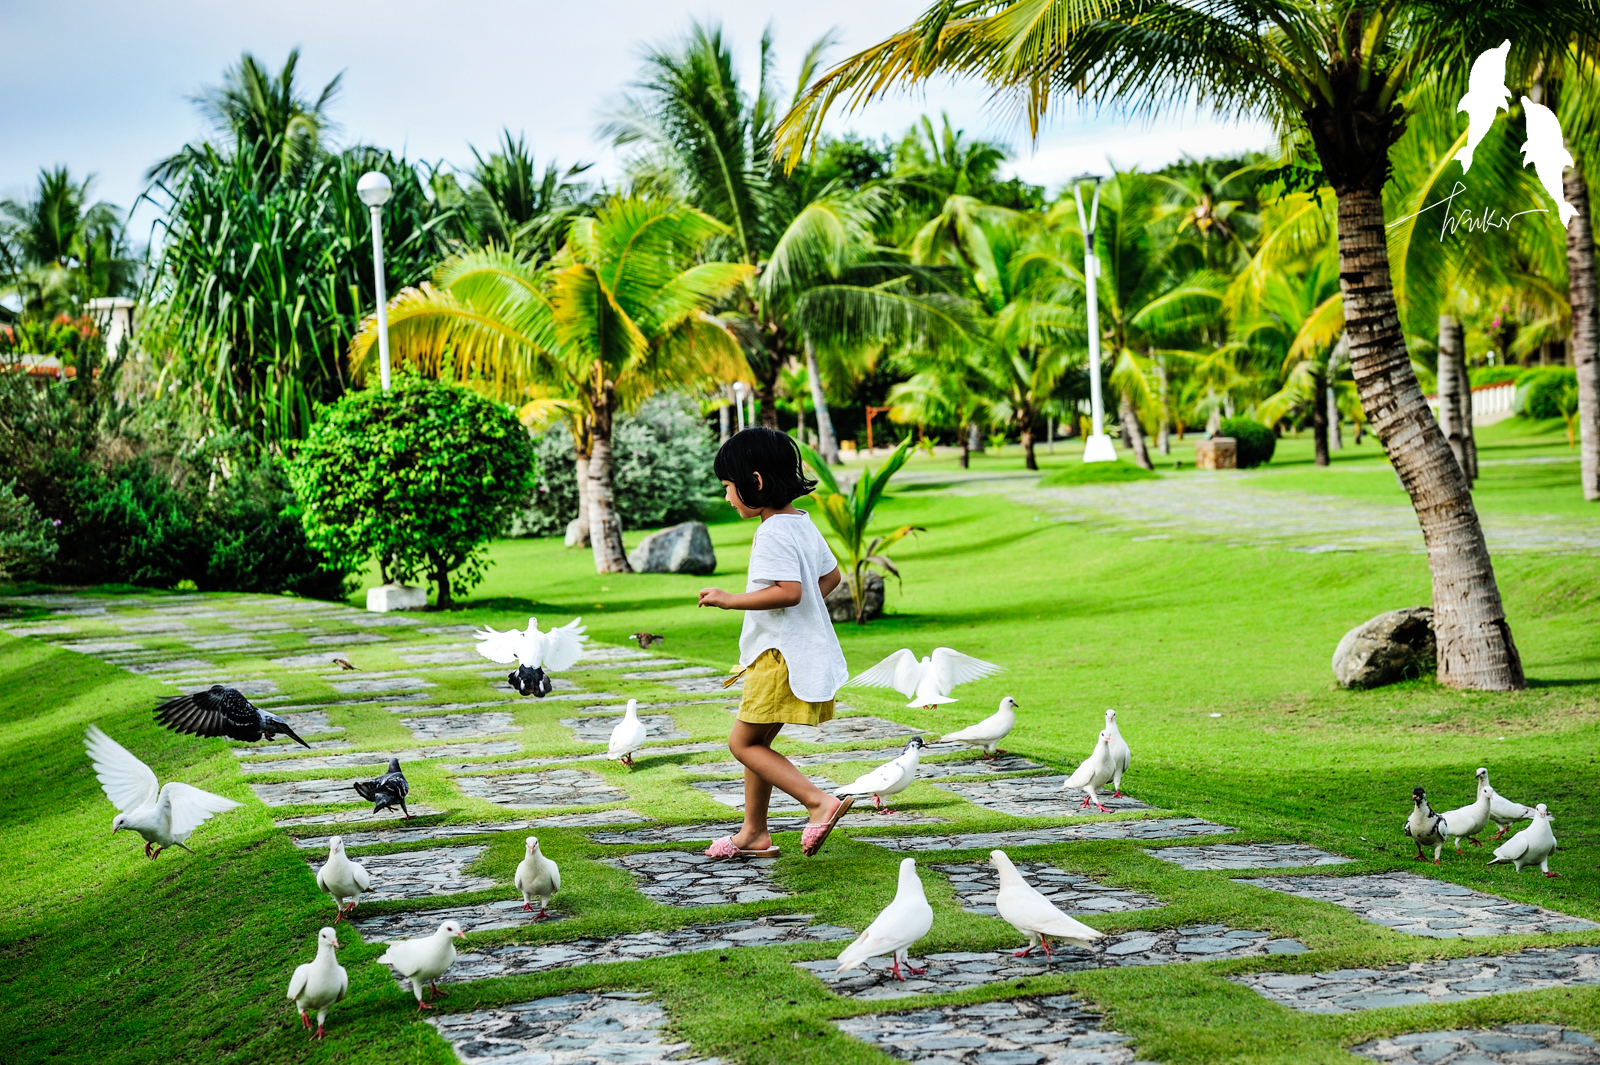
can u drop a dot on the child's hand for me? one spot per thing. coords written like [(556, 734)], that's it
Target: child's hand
[(716, 597)]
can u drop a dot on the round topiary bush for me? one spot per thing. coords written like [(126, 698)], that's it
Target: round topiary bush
[(1493, 375), (1540, 390), (1256, 442)]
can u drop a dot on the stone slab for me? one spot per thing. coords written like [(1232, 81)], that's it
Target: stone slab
[(670, 674), (1511, 1044), (260, 625), (708, 832), (707, 686), (153, 626), (171, 665), (439, 658), (1420, 906), (658, 727), (459, 726), (308, 792), (335, 639), (236, 644), (1247, 856), (1444, 980), (861, 729), (423, 833), (421, 874), (1157, 828), (731, 793), (101, 647), (685, 878), (379, 684), (618, 1028), (925, 770), (437, 708), (316, 661), (630, 664), (976, 884), (381, 759), (309, 722), (554, 787), (248, 751), (1025, 1031), (488, 917), (1034, 796), (357, 817), (593, 756), (44, 630)]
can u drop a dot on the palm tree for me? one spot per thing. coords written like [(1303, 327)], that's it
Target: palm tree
[(1299, 316), (267, 113), (58, 249), (619, 313), (515, 206), (1335, 74)]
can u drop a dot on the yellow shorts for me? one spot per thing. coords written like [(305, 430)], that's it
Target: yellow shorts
[(767, 698)]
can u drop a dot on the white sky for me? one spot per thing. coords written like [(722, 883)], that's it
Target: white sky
[(103, 87)]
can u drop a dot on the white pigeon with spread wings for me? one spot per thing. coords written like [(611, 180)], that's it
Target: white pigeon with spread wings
[(342, 878), (319, 983), (536, 653), (1021, 906), (628, 735), (990, 731), (1502, 811), (1533, 845), (926, 683), (1094, 773), (900, 924), (164, 816), (1121, 757), (888, 779)]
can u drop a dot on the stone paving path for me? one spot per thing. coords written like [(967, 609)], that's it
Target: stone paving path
[(977, 884), (925, 770), (421, 874), (731, 793), (594, 756), (1513, 1044), (1163, 828), (1023, 1031), (708, 832), (1445, 980), (860, 729), (459, 726), (618, 1028), (1419, 906), (1034, 797), (658, 727), (684, 878), (380, 759), (255, 750), (357, 817), (307, 792), (554, 787), (669, 674), (486, 918), (533, 958), (1247, 856), (959, 970), (422, 833)]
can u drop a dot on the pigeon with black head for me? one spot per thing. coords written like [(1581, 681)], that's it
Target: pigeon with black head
[(386, 791), (220, 711)]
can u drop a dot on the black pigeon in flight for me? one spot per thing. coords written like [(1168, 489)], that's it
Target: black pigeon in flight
[(220, 711), (388, 790)]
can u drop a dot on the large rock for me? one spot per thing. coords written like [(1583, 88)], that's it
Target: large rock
[(683, 548), (1391, 647), (842, 608), (388, 597)]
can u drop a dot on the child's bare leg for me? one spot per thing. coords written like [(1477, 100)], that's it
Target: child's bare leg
[(751, 745), (753, 835)]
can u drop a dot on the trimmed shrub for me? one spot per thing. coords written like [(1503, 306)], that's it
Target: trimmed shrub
[(131, 524), (1256, 441), (1539, 391), (1493, 375)]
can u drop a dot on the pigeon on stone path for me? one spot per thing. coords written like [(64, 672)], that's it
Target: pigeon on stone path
[(1095, 772), (1120, 755), (1486, 96), (926, 683), (220, 711), (900, 924), (318, 984), (1468, 821), (647, 640), (536, 653), (423, 961), (342, 879), (1022, 907), (1426, 828), (536, 877), (164, 816), (1536, 843), (1502, 811), (990, 731), (628, 736), (386, 791), (889, 779)]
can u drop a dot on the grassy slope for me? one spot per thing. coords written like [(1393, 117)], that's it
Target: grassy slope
[(112, 958)]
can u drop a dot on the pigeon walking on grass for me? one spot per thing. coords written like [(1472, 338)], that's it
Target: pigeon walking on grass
[(1534, 844), (990, 731), (318, 984), (900, 924), (926, 683), (164, 816), (628, 735), (536, 653), (342, 879), (386, 791), (1502, 811), (1468, 822), (1021, 906), (220, 711), (889, 779), (423, 961), (1426, 828), (1094, 773), (1121, 757), (537, 877)]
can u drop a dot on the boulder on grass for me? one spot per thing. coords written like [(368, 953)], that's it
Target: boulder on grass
[(1391, 647), (683, 548), (842, 608)]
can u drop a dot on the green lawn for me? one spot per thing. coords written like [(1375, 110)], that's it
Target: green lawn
[(111, 958)]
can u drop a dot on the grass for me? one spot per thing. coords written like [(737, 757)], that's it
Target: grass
[(111, 958), (1098, 473)]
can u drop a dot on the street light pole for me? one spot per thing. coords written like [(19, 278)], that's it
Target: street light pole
[(375, 190), (1098, 448)]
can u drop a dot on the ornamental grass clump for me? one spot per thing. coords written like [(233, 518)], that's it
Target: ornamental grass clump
[(850, 514)]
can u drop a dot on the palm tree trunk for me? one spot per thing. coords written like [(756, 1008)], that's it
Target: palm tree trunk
[(767, 395), (827, 443), (1449, 379), (581, 461), (1133, 433), (965, 458), (1476, 649), (1319, 420), (605, 525), (1025, 431), (974, 437), (1585, 328), (1335, 433)]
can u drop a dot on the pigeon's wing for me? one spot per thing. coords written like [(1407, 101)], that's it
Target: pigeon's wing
[(1514, 848), (128, 782), (899, 671), (320, 869), (207, 713), (1082, 775), (192, 807), (563, 646), (344, 983), (871, 783), (362, 878), (395, 783), (297, 982), (952, 667), (1029, 910), (498, 646), (367, 789)]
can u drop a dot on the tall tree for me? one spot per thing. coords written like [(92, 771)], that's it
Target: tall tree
[(515, 205), (59, 248)]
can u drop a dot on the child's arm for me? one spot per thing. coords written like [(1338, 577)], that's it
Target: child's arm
[(775, 596), (829, 582)]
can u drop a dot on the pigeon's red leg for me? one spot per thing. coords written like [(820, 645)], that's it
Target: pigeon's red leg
[(305, 1022), (421, 1005), (1046, 943), (528, 906), (1084, 803), (542, 914), (436, 992), (877, 803), (1023, 953), (147, 849), (319, 1032), (897, 973), (1474, 841), (1552, 875), (338, 915), (1117, 794), (1102, 809), (1502, 831), (913, 969)]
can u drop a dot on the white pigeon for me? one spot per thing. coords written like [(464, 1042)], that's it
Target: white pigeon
[(536, 653), (342, 878), (991, 730), (164, 816), (320, 983), (1468, 821), (628, 736), (1120, 755), (900, 924), (1536, 843), (537, 877), (1486, 95), (423, 961), (926, 683), (1502, 811), (1095, 772), (1022, 907), (888, 779), (1425, 827)]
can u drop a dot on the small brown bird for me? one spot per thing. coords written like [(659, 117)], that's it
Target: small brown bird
[(647, 640), (343, 663)]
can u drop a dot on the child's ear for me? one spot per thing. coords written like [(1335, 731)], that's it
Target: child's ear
[(760, 485)]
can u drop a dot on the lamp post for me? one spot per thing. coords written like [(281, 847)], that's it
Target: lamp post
[(1098, 447), (375, 190)]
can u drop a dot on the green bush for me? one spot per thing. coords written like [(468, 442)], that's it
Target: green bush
[(1493, 375), (133, 523), (1540, 389), (422, 477), (1256, 441), (27, 540), (258, 543)]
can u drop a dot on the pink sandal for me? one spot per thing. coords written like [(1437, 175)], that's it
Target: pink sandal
[(812, 837), (725, 848)]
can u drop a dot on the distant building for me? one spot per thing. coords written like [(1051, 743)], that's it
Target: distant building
[(115, 316)]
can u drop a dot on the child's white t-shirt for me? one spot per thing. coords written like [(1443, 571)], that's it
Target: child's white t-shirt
[(788, 547)]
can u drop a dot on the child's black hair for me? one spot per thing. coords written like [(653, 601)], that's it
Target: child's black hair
[(772, 454)]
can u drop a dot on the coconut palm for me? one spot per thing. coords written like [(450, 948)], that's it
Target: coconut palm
[(58, 248), (514, 205), (849, 513), (1333, 73)]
